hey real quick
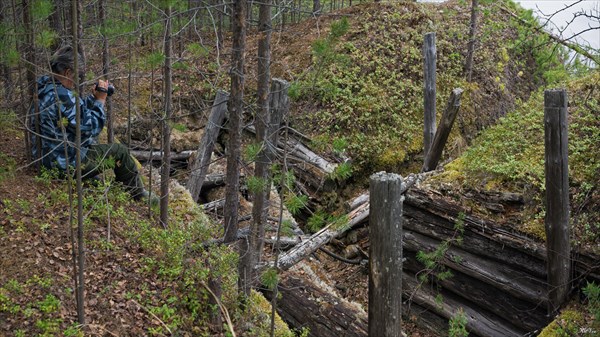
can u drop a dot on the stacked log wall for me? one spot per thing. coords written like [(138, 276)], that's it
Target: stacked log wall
[(498, 275)]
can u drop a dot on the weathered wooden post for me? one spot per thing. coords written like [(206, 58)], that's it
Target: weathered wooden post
[(441, 135), (429, 57), (211, 132), (558, 245), (385, 255), (279, 104)]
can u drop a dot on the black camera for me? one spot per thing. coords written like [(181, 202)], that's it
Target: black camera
[(109, 91)]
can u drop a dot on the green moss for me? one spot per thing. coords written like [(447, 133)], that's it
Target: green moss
[(568, 323), (368, 85), (258, 314)]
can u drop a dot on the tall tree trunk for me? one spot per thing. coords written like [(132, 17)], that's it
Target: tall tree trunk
[(6, 72), (235, 118), (316, 10), (252, 257), (471, 44), (166, 148), (80, 241), (105, 67), (79, 40), (56, 22), (220, 18), (29, 51)]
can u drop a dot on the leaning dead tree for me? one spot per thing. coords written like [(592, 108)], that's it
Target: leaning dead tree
[(207, 144)]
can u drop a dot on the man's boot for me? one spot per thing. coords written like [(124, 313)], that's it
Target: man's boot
[(139, 193)]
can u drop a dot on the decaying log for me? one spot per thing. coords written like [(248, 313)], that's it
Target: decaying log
[(213, 180), (306, 304), (445, 209), (421, 221), (308, 166), (517, 283), (214, 206), (321, 238), (522, 314), (479, 321), (354, 203), (285, 242), (145, 156)]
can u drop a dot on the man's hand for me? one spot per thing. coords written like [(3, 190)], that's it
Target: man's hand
[(99, 95)]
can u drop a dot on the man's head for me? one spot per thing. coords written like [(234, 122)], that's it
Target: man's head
[(62, 63)]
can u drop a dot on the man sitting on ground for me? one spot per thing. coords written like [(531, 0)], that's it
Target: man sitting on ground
[(57, 118)]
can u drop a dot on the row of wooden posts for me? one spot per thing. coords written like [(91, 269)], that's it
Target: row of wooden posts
[(386, 202)]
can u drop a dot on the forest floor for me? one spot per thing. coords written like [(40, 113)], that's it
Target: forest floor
[(36, 266)]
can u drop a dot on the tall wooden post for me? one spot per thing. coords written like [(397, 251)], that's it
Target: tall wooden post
[(385, 255), (429, 57), (557, 198)]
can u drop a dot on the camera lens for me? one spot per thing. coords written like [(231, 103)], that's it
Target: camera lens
[(109, 91)]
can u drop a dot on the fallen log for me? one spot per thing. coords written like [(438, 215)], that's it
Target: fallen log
[(420, 221), (308, 166), (214, 180), (321, 238), (479, 321), (517, 283), (145, 156), (214, 206), (306, 304), (522, 314)]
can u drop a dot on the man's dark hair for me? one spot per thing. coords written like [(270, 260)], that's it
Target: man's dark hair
[(63, 59)]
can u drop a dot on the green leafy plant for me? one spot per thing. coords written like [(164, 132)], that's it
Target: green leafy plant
[(269, 278), (342, 172), (592, 293), (458, 324), (251, 152), (256, 184)]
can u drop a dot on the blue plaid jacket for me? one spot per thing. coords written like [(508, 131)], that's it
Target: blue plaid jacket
[(57, 112)]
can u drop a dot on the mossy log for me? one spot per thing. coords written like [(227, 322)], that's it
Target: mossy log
[(305, 303)]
